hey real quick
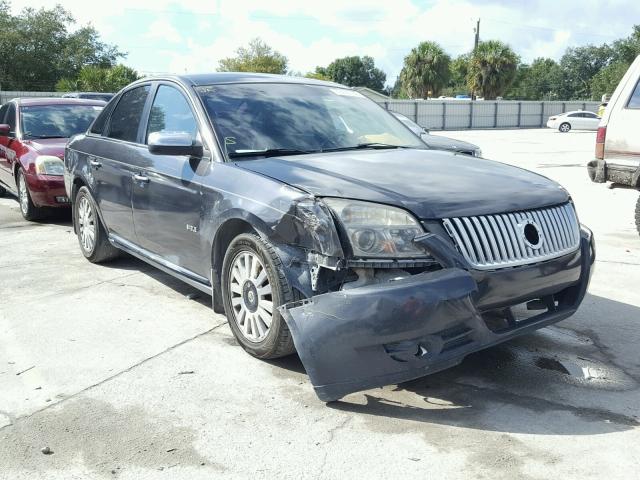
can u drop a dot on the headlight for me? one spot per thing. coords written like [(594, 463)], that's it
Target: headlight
[(477, 152), (49, 165), (376, 230)]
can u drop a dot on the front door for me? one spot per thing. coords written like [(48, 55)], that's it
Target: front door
[(8, 146), (116, 157), (167, 199)]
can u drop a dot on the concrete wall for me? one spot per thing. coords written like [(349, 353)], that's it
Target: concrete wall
[(463, 114)]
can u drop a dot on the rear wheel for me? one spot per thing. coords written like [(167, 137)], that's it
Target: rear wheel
[(638, 215), (27, 208), (92, 236), (564, 127), (253, 287)]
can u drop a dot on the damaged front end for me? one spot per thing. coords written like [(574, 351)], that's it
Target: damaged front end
[(387, 329)]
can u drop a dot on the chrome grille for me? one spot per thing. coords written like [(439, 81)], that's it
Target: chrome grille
[(496, 241)]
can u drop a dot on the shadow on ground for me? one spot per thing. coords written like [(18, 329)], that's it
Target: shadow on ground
[(552, 382)]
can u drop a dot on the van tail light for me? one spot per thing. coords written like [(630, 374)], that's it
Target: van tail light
[(600, 138)]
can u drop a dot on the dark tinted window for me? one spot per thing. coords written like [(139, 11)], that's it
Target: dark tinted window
[(101, 121), (634, 101), (56, 121), (575, 115), (126, 116), (3, 112), (11, 118), (171, 113)]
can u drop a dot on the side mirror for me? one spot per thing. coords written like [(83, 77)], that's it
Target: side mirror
[(425, 130), (4, 130), (174, 143)]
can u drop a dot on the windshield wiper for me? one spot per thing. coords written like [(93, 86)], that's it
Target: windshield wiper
[(363, 146), (43, 136), (269, 152)]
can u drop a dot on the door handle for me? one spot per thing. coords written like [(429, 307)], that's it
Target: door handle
[(141, 178), (94, 163)]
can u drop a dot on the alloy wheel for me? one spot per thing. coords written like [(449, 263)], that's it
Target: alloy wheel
[(251, 296), (86, 224), (23, 194)]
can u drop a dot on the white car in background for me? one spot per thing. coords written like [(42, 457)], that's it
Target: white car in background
[(578, 120)]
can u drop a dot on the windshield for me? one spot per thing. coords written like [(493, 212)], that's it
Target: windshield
[(255, 118), (56, 121)]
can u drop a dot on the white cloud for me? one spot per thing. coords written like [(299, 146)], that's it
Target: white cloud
[(335, 28), (163, 30)]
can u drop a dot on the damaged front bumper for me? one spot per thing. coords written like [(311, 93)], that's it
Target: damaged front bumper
[(392, 332)]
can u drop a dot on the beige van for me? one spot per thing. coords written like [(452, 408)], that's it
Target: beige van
[(618, 138)]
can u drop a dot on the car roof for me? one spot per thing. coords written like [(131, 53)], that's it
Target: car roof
[(577, 111), (57, 101), (202, 79)]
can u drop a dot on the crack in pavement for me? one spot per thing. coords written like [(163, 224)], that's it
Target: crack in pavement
[(111, 377)]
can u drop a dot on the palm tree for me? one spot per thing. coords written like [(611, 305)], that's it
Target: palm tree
[(425, 71), (492, 69)]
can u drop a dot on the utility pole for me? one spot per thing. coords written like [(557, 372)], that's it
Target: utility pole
[(476, 40)]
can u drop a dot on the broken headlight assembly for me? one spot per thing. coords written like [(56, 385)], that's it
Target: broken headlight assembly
[(377, 231)]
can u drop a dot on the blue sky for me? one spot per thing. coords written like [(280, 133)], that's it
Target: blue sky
[(191, 36)]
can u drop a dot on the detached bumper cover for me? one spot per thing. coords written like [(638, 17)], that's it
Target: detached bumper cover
[(389, 333)]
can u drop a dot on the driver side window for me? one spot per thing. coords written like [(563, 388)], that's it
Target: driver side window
[(170, 112), (11, 119)]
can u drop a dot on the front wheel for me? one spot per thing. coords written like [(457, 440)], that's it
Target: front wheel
[(564, 127), (27, 207), (92, 236), (253, 287)]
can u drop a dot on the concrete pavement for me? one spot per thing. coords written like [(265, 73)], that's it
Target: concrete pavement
[(123, 374)]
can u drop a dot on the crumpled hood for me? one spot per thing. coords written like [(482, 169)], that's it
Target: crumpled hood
[(445, 143), (430, 183), (49, 146)]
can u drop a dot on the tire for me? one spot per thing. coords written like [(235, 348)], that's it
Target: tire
[(564, 127), (246, 301), (638, 215), (92, 236), (27, 207)]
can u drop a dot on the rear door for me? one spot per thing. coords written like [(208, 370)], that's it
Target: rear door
[(114, 159), (167, 198)]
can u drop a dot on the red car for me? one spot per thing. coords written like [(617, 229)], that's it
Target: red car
[(33, 134)]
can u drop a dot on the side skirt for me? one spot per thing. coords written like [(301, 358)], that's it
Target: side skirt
[(187, 276)]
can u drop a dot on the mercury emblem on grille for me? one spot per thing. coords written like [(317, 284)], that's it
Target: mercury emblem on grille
[(532, 234)]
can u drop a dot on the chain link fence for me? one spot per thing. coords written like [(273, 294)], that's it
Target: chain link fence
[(465, 114)]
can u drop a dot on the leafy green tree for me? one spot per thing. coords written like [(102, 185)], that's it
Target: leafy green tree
[(39, 47), (425, 71), (355, 72), (492, 69), (539, 81), (579, 65), (256, 57), (607, 79), (99, 79), (320, 73), (458, 71), (627, 49)]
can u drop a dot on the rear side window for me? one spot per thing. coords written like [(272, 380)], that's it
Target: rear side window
[(127, 114), (171, 113), (634, 101), (98, 126)]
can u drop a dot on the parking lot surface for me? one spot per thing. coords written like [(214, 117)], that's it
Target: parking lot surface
[(120, 371)]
